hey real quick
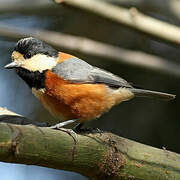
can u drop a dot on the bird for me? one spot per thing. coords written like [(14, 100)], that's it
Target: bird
[(68, 87)]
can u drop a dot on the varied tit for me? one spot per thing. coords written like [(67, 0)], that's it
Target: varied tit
[(70, 88)]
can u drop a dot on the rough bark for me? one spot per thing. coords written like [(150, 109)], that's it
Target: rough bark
[(96, 156)]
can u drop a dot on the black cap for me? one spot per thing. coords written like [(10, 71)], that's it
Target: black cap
[(32, 46)]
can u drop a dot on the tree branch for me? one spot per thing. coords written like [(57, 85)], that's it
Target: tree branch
[(96, 49), (168, 8), (131, 18), (96, 156), (11, 117)]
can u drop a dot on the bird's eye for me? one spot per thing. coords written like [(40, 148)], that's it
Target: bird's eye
[(27, 56)]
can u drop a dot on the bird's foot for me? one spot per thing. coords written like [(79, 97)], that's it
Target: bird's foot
[(68, 131)]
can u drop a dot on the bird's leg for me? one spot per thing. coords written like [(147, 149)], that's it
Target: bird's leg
[(59, 125), (78, 127), (69, 131)]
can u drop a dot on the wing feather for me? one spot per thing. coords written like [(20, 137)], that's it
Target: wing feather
[(105, 77), (78, 71)]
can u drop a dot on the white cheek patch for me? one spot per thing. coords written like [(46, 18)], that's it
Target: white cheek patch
[(39, 62)]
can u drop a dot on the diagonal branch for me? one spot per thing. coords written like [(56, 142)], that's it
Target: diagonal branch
[(96, 49), (96, 156), (131, 18)]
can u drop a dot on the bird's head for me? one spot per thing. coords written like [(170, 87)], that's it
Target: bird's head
[(33, 55)]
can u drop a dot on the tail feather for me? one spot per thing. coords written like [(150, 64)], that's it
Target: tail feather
[(152, 94)]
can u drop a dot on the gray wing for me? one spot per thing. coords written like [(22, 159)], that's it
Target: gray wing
[(74, 70), (105, 77), (78, 71)]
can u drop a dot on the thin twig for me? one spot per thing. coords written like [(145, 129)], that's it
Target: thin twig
[(131, 18)]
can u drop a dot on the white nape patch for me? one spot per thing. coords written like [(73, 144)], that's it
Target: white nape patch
[(122, 94), (39, 62)]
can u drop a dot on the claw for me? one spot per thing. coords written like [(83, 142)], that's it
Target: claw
[(99, 131), (68, 131)]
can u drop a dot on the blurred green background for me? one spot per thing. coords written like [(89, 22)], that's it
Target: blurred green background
[(148, 121)]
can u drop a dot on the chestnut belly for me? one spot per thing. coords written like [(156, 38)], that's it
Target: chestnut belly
[(79, 106), (54, 106)]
